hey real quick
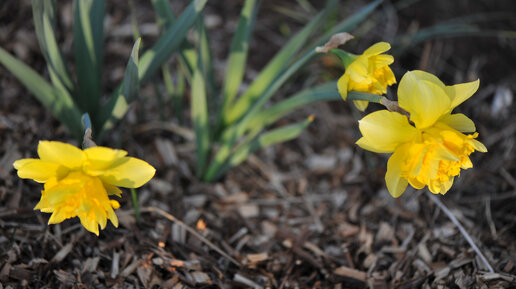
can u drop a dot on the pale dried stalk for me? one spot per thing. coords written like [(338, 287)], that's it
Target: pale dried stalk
[(191, 231), (461, 229)]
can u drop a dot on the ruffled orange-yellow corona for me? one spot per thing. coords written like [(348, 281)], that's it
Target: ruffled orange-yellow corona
[(429, 147), (77, 182), (369, 72)]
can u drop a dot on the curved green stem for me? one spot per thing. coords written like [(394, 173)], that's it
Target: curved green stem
[(135, 205), (354, 95)]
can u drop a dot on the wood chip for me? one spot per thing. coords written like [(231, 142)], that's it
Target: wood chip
[(167, 151), (351, 273), (347, 230), (90, 265), (144, 272), (424, 253), (201, 278), (66, 278), (249, 210), (246, 281), (61, 255), (253, 259)]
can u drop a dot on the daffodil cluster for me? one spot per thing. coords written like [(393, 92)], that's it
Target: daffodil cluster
[(78, 183), (428, 146)]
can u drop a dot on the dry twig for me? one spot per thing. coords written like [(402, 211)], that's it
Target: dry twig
[(190, 230), (461, 229)]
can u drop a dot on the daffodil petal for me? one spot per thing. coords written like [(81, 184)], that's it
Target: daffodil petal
[(342, 86), (90, 224), (379, 61), (423, 75), (100, 159), (461, 92), (478, 146), (57, 217), (358, 70), (361, 104), (38, 170), (112, 217), (377, 48), (425, 100), (112, 190), (61, 153), (132, 173), (384, 130), (389, 77), (396, 184), (459, 122)]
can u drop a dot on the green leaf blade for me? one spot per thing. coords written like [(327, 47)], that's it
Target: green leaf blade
[(324, 92), (58, 102), (238, 54), (271, 137), (152, 59), (44, 12), (275, 67), (199, 108), (119, 102), (89, 52)]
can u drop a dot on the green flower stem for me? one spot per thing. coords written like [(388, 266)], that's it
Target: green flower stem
[(354, 95), (346, 57), (135, 205)]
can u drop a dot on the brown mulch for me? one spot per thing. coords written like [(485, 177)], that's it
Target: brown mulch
[(310, 213)]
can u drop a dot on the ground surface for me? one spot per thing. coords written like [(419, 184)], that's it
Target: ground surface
[(310, 213)]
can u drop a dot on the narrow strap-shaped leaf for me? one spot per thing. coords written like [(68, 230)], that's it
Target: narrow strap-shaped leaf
[(165, 14), (276, 66), (238, 54), (271, 137), (166, 19), (241, 127), (88, 39), (152, 59), (231, 134), (117, 105), (199, 110), (323, 92), (59, 103), (44, 12), (207, 65), (284, 134)]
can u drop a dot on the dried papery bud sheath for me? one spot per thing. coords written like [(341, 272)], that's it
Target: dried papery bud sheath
[(78, 183), (87, 140), (334, 42)]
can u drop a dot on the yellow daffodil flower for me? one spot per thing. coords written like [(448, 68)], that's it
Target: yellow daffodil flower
[(431, 148), (77, 182), (369, 72)]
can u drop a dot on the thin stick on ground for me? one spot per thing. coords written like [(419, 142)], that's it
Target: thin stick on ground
[(191, 231), (461, 229)]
